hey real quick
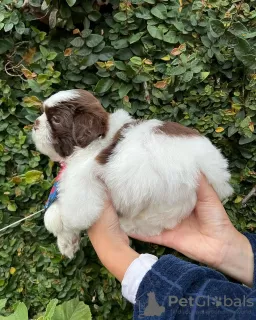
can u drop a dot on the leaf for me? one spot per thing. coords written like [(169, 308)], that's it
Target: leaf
[(245, 140), (77, 42), (175, 71), (71, 3), (2, 303), (136, 60), (135, 37), (41, 78), (249, 61), (12, 270), (33, 176), (251, 126), (120, 16), (94, 15), (32, 101), (103, 85), (72, 310), (231, 131), (171, 37), (166, 58), (141, 78), (51, 56), (176, 52), (124, 89), (50, 309), (106, 53), (93, 40), (242, 48), (68, 52), (53, 18), (29, 55), (44, 51), (188, 76), (8, 27), (204, 75), (28, 74), (5, 45), (155, 32), (238, 29), (20, 27), (159, 11), (219, 129), (160, 84), (217, 28)]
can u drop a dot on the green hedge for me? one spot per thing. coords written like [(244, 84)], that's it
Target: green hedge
[(189, 61)]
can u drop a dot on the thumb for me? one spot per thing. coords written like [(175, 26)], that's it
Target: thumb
[(205, 192)]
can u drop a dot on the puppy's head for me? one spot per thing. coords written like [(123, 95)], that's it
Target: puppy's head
[(70, 118)]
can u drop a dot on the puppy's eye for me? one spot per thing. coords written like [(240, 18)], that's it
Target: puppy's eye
[(56, 119)]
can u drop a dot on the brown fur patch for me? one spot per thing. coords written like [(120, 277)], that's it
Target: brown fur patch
[(76, 122), (104, 155), (176, 129)]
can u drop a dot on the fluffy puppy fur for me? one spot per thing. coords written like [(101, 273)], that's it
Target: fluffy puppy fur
[(151, 168)]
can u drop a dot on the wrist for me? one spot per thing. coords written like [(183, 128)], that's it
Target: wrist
[(238, 261), (116, 255)]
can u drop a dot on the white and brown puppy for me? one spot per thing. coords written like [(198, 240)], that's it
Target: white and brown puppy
[(151, 168)]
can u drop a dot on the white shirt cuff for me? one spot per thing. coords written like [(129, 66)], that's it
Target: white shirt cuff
[(134, 275)]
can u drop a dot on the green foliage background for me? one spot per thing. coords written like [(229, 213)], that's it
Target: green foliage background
[(189, 61)]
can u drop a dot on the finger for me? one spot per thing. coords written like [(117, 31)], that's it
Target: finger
[(205, 192)]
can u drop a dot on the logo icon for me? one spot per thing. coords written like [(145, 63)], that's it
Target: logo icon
[(153, 308)]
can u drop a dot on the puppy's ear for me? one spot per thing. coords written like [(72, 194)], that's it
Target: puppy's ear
[(88, 126), (63, 146)]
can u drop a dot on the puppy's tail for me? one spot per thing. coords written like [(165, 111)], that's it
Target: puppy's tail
[(52, 219)]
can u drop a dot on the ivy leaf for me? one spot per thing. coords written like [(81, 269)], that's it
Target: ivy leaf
[(135, 37), (20, 27), (176, 71), (5, 45), (245, 140), (217, 28), (71, 2), (53, 18), (120, 16), (238, 29), (8, 27), (33, 176), (103, 85), (155, 32), (94, 15), (242, 48), (106, 53), (124, 89), (77, 42), (141, 78), (249, 61), (159, 11), (93, 40)]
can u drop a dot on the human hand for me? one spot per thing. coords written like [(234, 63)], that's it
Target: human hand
[(111, 243), (208, 236)]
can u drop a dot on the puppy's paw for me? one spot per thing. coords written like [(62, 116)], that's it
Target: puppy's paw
[(68, 244), (52, 219)]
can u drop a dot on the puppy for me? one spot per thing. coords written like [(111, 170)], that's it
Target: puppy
[(151, 168)]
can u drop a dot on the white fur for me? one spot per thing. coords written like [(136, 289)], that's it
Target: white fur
[(60, 97), (43, 139), (152, 179)]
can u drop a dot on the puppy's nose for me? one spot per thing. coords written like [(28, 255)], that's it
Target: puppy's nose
[(36, 124)]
